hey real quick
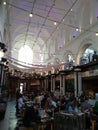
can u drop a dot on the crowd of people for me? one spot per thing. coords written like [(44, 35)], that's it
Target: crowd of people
[(51, 104)]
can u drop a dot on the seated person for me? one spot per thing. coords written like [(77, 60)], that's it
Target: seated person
[(73, 107), (51, 111), (31, 115)]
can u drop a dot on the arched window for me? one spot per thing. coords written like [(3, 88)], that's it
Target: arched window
[(87, 56), (25, 54)]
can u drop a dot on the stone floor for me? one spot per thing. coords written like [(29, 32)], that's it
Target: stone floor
[(10, 120)]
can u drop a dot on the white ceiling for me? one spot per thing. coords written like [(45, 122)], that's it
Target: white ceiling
[(39, 32)]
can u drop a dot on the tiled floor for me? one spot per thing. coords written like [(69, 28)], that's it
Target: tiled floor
[(10, 120)]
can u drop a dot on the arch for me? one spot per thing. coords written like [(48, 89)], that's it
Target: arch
[(83, 48)]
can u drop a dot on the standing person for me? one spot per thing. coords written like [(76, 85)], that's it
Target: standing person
[(17, 97), (86, 109), (20, 102), (95, 56), (17, 93), (31, 114)]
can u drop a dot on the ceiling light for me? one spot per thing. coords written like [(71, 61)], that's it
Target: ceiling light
[(96, 33), (77, 29), (55, 23), (4, 2), (30, 15)]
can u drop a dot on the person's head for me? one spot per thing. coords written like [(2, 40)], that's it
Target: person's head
[(95, 52), (59, 103), (52, 108), (74, 103), (48, 99), (86, 99), (20, 95), (36, 106)]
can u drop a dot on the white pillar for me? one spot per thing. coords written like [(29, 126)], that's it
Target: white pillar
[(77, 82), (62, 85), (52, 83)]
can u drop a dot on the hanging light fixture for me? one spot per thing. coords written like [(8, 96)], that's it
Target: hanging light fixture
[(4, 3), (96, 33), (55, 23), (77, 29), (31, 15)]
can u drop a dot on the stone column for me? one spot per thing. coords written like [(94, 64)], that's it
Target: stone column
[(62, 83), (77, 82), (42, 80), (53, 83), (46, 83), (1, 76)]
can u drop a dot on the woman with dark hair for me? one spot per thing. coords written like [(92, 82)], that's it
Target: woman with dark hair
[(73, 107)]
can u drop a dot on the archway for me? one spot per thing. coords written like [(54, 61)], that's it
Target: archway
[(81, 51), (85, 54)]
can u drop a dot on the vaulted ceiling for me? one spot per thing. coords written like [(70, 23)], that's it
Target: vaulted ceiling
[(53, 24)]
